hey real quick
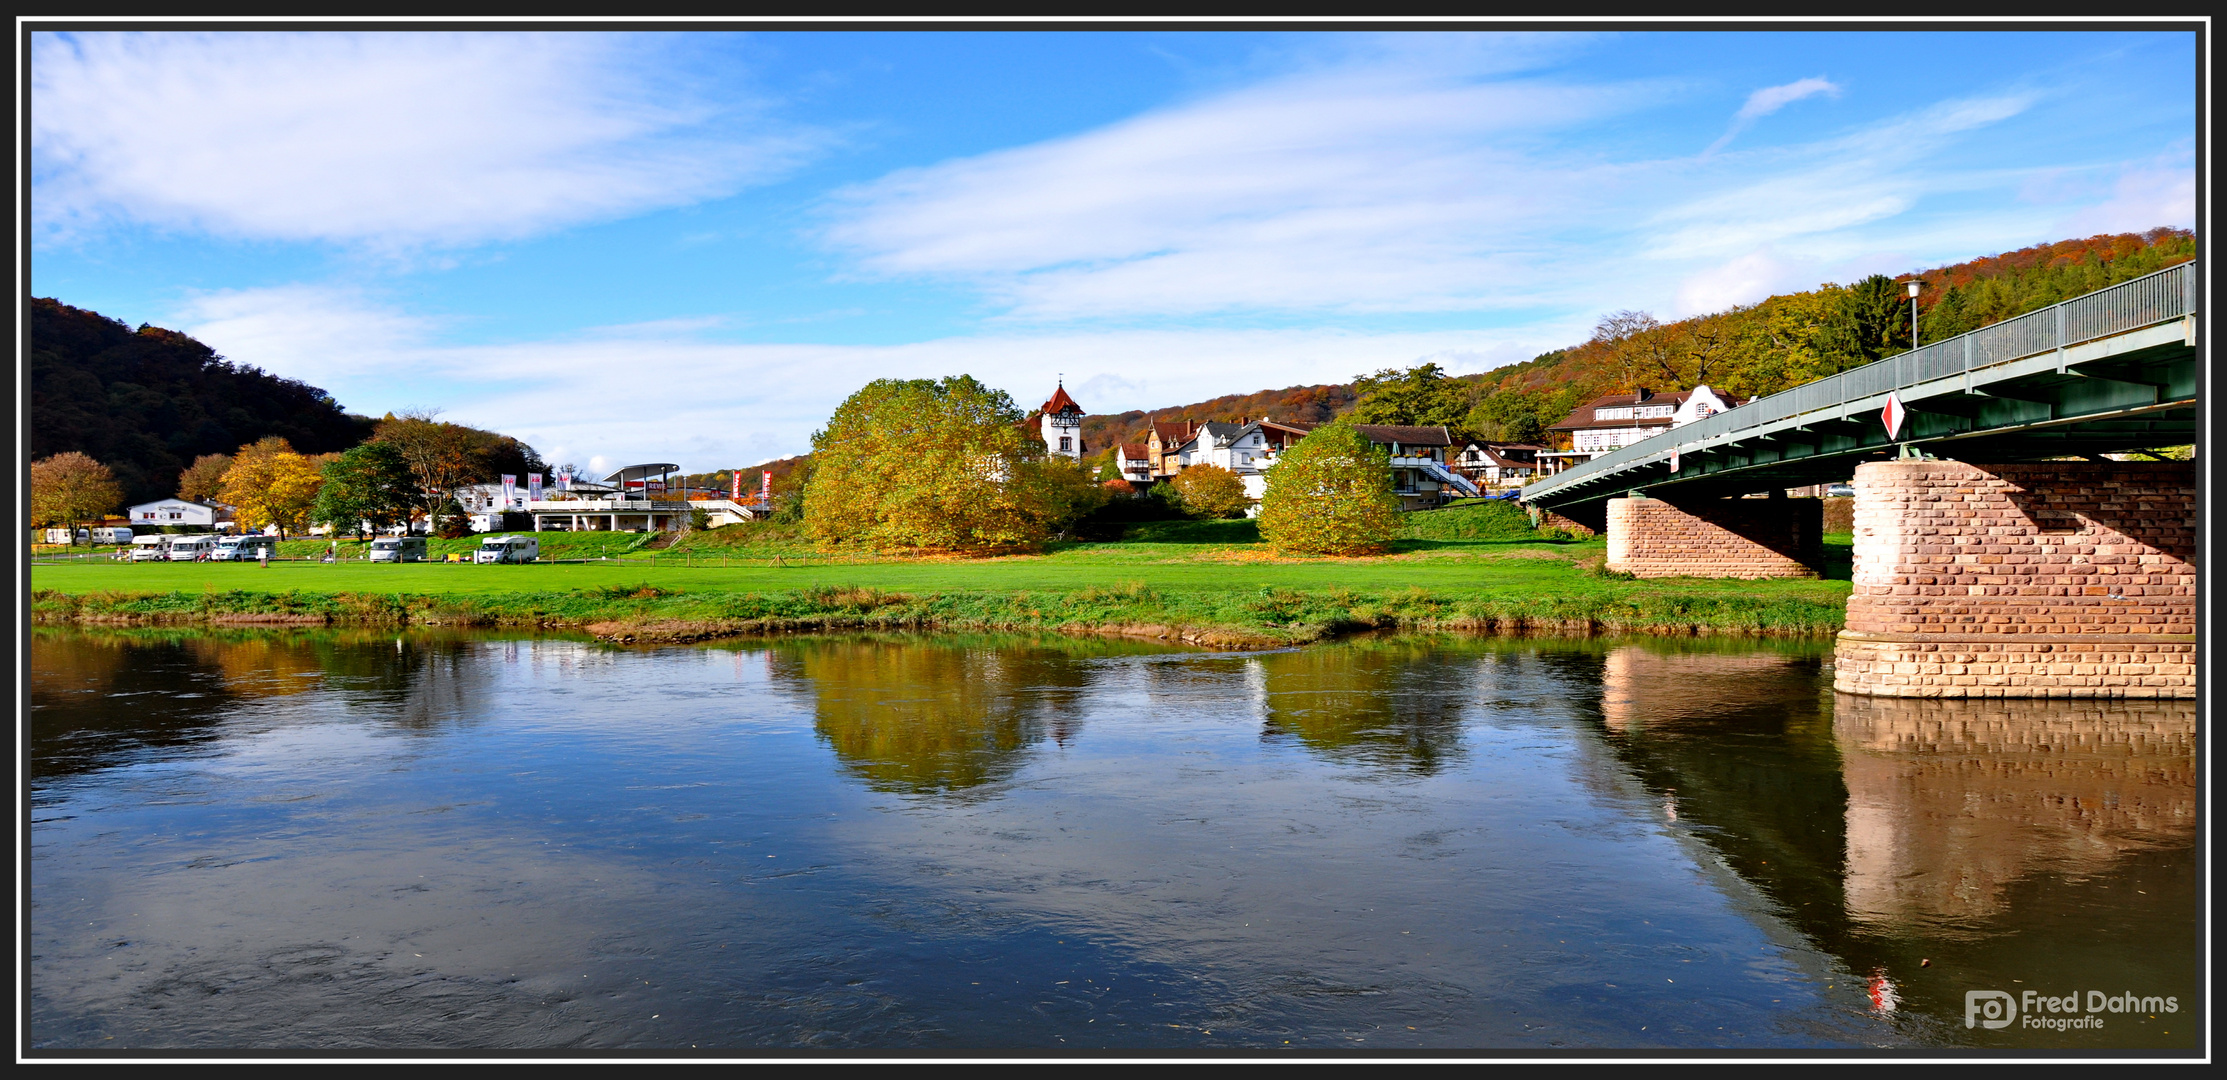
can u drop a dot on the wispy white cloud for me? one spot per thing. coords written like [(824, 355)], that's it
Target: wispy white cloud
[(1769, 100), (388, 140), (675, 395)]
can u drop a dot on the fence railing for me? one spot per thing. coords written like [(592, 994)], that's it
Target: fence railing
[(2148, 300)]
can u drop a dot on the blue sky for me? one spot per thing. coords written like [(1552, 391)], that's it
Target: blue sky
[(691, 246)]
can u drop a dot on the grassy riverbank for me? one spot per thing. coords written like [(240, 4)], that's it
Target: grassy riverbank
[(1209, 583)]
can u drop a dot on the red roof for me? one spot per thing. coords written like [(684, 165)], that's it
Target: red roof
[(1135, 451), (1060, 403)]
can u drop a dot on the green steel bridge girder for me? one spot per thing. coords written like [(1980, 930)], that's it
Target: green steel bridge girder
[(2133, 391)]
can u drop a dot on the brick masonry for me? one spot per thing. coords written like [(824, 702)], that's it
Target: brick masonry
[(1728, 538), (2045, 579)]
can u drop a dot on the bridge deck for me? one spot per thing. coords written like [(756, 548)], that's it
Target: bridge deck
[(2113, 370)]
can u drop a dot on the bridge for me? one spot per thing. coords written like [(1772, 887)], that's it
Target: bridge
[(1998, 551)]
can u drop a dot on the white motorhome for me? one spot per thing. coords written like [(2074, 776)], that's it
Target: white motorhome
[(113, 534), (65, 536), (507, 549), (154, 548), (249, 548), (192, 548), (398, 549)]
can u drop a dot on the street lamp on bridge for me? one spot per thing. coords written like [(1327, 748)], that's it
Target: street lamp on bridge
[(1914, 284)]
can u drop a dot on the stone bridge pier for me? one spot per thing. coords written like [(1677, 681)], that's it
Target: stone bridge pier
[(2045, 579), (1730, 538)]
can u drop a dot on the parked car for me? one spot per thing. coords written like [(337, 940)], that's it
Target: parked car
[(1839, 491), (244, 548), (508, 549), (398, 549), (154, 548), (192, 548)]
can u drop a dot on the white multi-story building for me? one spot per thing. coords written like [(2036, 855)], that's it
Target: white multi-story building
[(1619, 420), (1062, 425)]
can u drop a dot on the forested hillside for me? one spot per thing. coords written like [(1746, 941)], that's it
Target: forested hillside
[(1747, 351), (147, 402)]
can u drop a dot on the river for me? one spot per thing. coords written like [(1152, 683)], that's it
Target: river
[(354, 839)]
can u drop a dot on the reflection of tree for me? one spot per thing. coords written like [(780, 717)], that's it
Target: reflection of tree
[(936, 715), (100, 698), (1394, 704)]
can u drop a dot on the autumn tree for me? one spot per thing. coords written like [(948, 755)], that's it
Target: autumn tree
[(369, 483), (1422, 395), (270, 484), (935, 465), (70, 488), (200, 481), (1331, 494), (1210, 491), (1633, 343), (437, 453)]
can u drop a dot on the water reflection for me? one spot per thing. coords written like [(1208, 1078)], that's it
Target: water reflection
[(100, 699), (939, 715), (1935, 846), (1393, 703)]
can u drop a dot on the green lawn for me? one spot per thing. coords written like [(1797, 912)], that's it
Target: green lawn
[(1211, 575)]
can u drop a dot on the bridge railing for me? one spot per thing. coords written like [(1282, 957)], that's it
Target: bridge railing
[(2163, 296)]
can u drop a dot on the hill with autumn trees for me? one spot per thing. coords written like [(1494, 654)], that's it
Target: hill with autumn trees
[(147, 402)]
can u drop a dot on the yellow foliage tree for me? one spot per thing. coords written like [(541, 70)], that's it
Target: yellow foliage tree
[(1331, 494), (938, 465), (1211, 491), (270, 484)]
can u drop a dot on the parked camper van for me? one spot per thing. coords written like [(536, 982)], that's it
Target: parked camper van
[(398, 549), (508, 549), (154, 548), (192, 548), (66, 536), (248, 548), (112, 534)]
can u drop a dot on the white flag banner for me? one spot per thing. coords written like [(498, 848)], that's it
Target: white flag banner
[(510, 490), (1893, 414), (533, 487)]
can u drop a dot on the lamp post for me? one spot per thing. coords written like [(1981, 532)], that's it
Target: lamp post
[(1914, 314)]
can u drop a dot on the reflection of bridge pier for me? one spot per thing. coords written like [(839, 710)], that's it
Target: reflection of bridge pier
[(1951, 801), (2052, 579)]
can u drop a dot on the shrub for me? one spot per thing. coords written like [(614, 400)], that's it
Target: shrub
[(1210, 491), (1331, 494)]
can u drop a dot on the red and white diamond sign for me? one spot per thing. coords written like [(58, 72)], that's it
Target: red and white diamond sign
[(1893, 414)]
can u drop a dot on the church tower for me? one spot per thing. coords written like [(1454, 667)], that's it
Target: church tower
[(1063, 425)]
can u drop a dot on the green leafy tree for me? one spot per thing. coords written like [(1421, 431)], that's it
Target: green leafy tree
[(1519, 416), (940, 465), (1874, 318), (71, 488), (1331, 494), (1211, 491), (368, 483), (1421, 395)]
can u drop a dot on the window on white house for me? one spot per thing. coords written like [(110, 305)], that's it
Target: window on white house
[(1612, 414), (1654, 411), (1066, 442)]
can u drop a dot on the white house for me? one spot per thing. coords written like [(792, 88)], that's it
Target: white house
[(1619, 420), (1498, 464), (1061, 424), (1243, 449), (173, 512), (1135, 462)]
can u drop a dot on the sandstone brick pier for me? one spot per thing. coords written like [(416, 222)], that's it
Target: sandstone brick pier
[(2046, 579), (1730, 538)]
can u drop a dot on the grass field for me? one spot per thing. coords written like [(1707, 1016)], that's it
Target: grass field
[(1213, 582)]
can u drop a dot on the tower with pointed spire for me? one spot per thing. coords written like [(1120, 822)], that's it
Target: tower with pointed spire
[(1062, 424)]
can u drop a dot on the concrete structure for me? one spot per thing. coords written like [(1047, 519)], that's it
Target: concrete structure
[(628, 500), (2045, 579), (1730, 538)]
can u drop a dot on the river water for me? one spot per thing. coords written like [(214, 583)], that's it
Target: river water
[(351, 839)]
